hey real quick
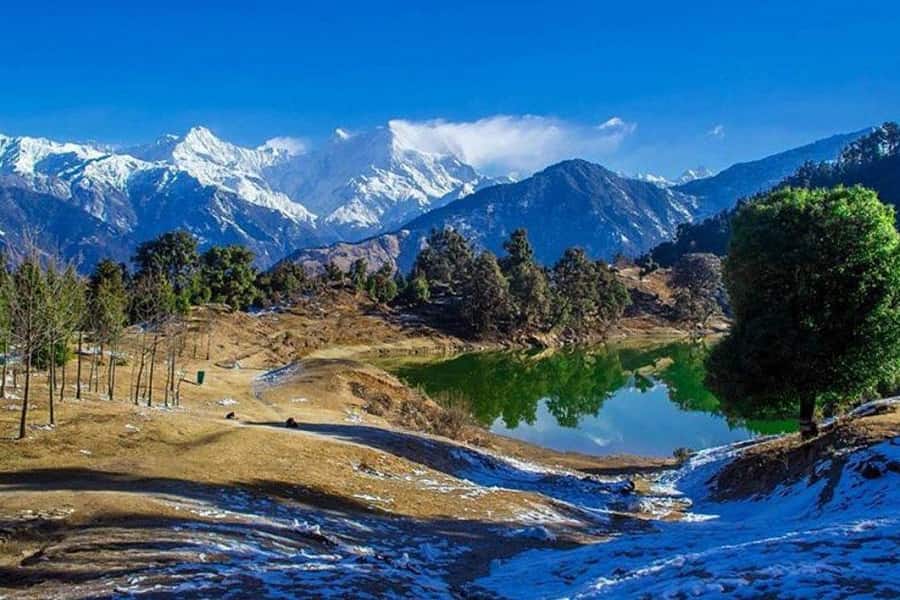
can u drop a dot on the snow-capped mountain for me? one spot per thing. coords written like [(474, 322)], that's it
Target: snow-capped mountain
[(272, 198), (90, 200), (364, 183), (218, 163), (194, 182), (657, 180), (694, 174), (664, 182)]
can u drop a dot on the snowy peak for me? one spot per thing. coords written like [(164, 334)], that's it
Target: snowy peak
[(657, 180), (361, 183), (687, 176), (215, 162), (30, 156), (694, 174)]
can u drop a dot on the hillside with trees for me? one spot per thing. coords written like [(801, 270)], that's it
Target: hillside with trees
[(872, 161)]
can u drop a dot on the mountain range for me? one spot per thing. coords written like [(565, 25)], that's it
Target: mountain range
[(579, 203), (270, 198), (87, 201)]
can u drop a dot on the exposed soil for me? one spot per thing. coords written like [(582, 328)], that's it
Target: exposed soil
[(764, 467)]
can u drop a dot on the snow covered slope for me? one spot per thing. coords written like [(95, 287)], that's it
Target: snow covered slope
[(215, 162), (834, 534), (369, 182)]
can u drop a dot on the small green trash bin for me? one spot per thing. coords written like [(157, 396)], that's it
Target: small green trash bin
[(201, 375)]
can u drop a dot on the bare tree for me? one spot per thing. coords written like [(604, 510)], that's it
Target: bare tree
[(28, 312), (152, 304), (5, 320), (697, 281)]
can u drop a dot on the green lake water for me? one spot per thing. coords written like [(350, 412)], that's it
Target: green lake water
[(608, 400)]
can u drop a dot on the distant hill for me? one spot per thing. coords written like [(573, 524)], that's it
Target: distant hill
[(871, 160), (723, 190)]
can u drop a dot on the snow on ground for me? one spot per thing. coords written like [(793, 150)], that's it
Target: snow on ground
[(801, 540), (247, 544)]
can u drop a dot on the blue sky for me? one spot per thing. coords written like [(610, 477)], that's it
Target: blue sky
[(690, 83)]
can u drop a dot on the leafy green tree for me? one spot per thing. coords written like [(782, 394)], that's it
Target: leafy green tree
[(108, 309), (6, 291), (486, 304), (228, 273), (445, 261), (333, 273), (172, 255), (381, 285), (813, 277), (529, 286)]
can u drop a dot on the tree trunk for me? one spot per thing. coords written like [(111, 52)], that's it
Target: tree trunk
[(112, 379), (143, 364), (99, 367), (62, 382), (808, 427), (78, 374), (25, 395), (5, 364), (152, 368), (166, 383), (90, 381), (51, 382)]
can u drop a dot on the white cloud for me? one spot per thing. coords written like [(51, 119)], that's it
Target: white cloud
[(717, 131), (291, 145), (514, 143)]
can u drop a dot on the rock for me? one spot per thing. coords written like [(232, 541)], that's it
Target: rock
[(230, 416), (291, 423), (871, 471), (682, 454)]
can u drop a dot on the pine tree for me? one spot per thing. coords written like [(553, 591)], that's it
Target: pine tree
[(445, 261), (529, 286), (227, 276), (359, 274), (381, 285), (28, 311), (486, 305)]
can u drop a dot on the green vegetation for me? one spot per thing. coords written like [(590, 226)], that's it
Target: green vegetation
[(515, 295), (814, 283), (575, 383)]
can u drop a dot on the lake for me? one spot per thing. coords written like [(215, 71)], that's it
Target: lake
[(608, 400)]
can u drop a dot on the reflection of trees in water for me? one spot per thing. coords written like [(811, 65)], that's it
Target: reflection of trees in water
[(574, 383)]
